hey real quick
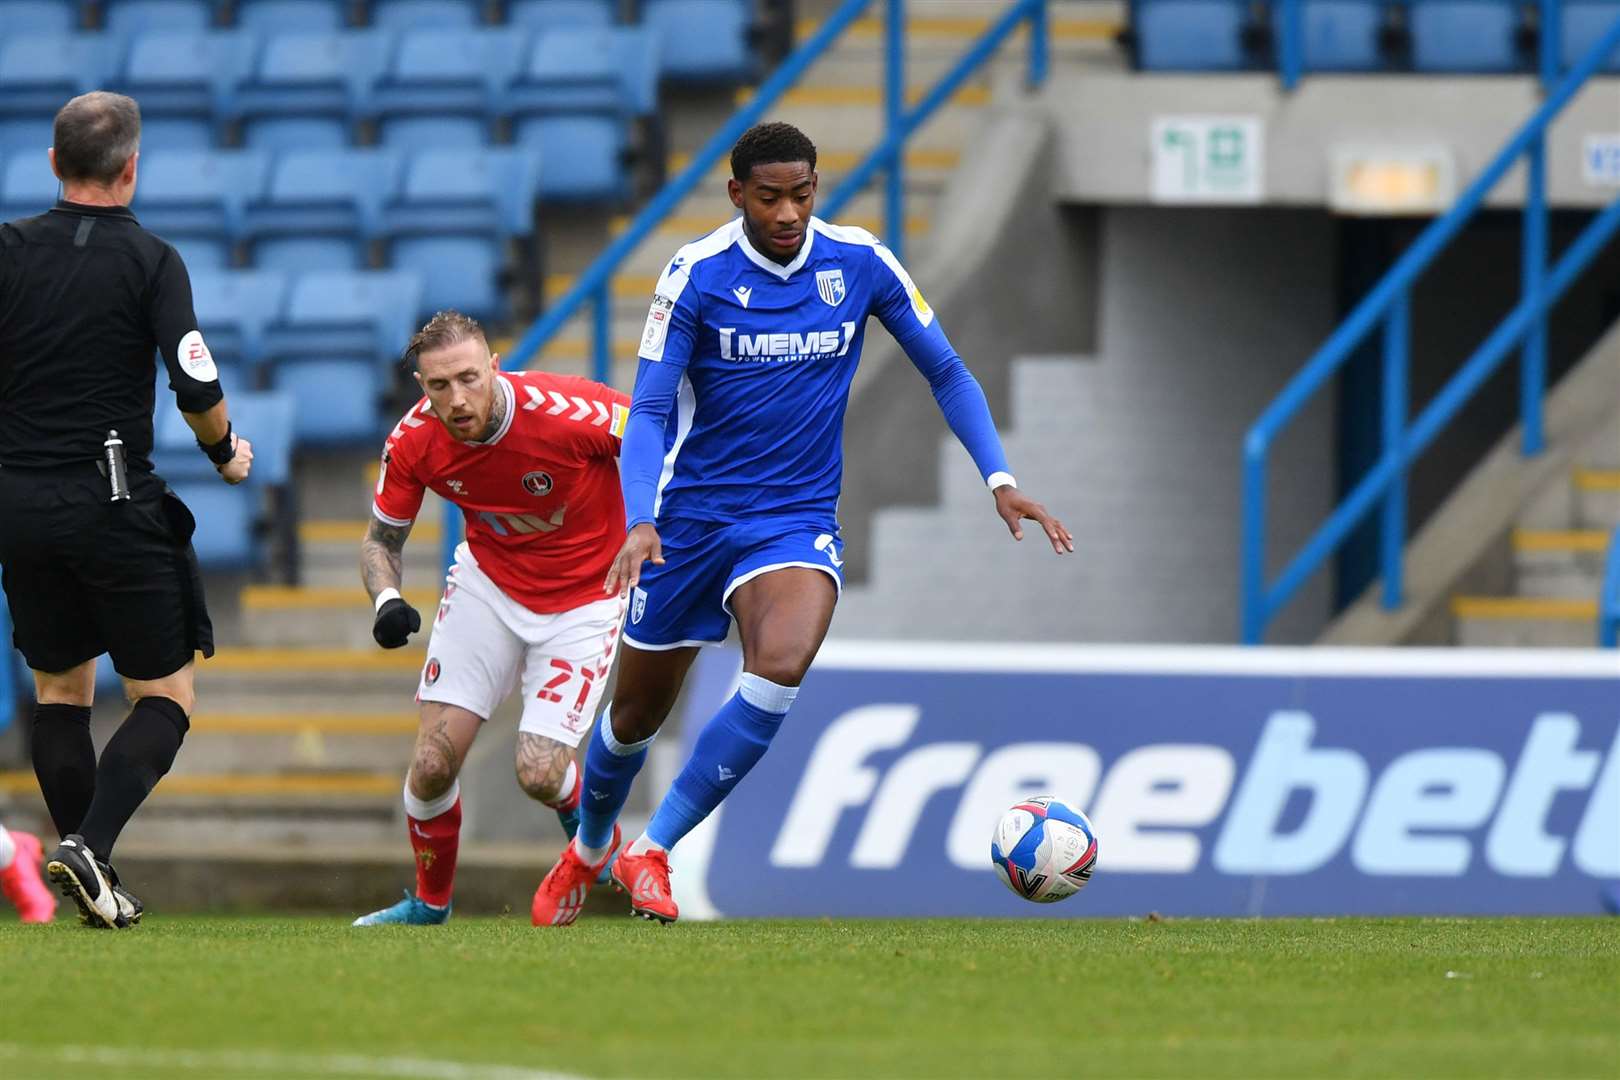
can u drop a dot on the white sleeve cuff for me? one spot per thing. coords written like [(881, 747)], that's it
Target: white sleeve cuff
[(996, 479), (383, 598)]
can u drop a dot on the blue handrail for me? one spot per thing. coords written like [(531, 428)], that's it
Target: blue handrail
[(1404, 441), (1609, 601), (595, 285)]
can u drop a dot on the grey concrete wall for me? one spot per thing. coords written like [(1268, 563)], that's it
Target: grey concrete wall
[(1202, 315), (1104, 117)]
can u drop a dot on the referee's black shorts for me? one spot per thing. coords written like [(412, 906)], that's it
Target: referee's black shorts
[(86, 576)]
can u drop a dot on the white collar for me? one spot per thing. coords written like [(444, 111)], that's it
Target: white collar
[(506, 420), (770, 266)]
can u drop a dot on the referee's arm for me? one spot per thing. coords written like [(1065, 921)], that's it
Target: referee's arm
[(192, 374)]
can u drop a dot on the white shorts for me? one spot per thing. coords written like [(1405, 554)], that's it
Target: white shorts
[(482, 638)]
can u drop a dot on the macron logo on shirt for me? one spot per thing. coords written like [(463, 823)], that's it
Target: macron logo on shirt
[(785, 348)]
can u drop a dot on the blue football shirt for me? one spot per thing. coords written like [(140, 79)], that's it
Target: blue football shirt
[(746, 365)]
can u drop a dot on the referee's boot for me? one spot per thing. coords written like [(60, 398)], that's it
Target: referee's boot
[(129, 905), (78, 876)]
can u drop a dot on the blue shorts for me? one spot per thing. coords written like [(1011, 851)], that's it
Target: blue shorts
[(687, 600)]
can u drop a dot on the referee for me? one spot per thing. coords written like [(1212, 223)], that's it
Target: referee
[(95, 549)]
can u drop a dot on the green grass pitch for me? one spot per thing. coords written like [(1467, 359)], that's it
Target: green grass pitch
[(494, 999)]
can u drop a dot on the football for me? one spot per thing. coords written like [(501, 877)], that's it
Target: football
[(1044, 849)]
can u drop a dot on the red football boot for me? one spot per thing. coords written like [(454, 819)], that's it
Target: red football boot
[(561, 895), (646, 879), (22, 883)]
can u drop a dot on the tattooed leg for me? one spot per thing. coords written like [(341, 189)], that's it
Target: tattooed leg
[(542, 765), (442, 741)]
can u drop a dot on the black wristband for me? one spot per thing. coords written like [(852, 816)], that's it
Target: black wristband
[(219, 453)]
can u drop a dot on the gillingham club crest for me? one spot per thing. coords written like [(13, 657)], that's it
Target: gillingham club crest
[(830, 284), (638, 604)]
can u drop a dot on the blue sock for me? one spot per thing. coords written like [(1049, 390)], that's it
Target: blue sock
[(729, 745), (610, 769)]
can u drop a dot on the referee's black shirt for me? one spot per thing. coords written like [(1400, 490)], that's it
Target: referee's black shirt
[(87, 297)]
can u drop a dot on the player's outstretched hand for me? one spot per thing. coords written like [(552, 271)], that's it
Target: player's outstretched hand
[(642, 545), (396, 622), (1016, 507), (236, 470)]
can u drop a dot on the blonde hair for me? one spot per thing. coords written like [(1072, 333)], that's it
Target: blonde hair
[(445, 329)]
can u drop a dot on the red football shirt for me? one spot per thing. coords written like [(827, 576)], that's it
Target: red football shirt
[(545, 515)]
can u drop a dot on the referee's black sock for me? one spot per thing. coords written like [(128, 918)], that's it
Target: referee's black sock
[(135, 759), (65, 763)]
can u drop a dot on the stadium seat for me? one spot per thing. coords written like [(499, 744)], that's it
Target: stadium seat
[(702, 40), (290, 16), (1190, 35), (1465, 35), (39, 73), (320, 209), (426, 14), (1342, 35), (125, 17), (306, 89), (545, 14), (333, 344), (451, 223), (27, 185), (25, 134), (39, 16), (184, 81), (441, 88), (573, 101), (1584, 22), (233, 309), (228, 517), (199, 195)]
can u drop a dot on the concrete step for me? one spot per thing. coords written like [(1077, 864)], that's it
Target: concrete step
[(241, 743), (1565, 563), (1597, 498), (338, 616), (1525, 621), (248, 679)]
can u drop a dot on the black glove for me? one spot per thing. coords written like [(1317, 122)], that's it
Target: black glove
[(396, 622)]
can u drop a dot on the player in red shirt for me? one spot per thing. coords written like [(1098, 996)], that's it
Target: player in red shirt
[(531, 459)]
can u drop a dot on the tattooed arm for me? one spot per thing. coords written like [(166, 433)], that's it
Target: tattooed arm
[(381, 556)]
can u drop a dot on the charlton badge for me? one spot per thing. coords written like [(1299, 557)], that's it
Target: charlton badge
[(431, 674), (537, 484)]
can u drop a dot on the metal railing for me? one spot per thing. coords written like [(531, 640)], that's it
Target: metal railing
[(1389, 304), (1609, 599), (595, 285)]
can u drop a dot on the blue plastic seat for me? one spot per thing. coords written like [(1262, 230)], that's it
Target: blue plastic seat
[(458, 272), (442, 87), (233, 309), (545, 14), (703, 41), (443, 191), (126, 17), (184, 81), (27, 185), (320, 209), (290, 16), (25, 134), (1584, 22), (198, 195), (39, 73), (1190, 35), (1465, 35), (39, 16), (426, 14), (1342, 35), (332, 347), (306, 89), (581, 157)]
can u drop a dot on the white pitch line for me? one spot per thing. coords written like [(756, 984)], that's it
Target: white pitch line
[(276, 1063)]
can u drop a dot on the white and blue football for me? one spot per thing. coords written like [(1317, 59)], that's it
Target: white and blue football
[(1044, 849)]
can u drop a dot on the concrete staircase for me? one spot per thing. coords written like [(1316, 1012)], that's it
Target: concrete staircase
[(839, 104), (1556, 559)]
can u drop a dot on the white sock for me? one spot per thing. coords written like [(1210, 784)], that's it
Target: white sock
[(566, 788), (641, 845), (8, 849), (591, 855)]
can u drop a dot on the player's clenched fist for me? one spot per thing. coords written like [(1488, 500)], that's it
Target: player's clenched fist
[(396, 622), (642, 545)]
